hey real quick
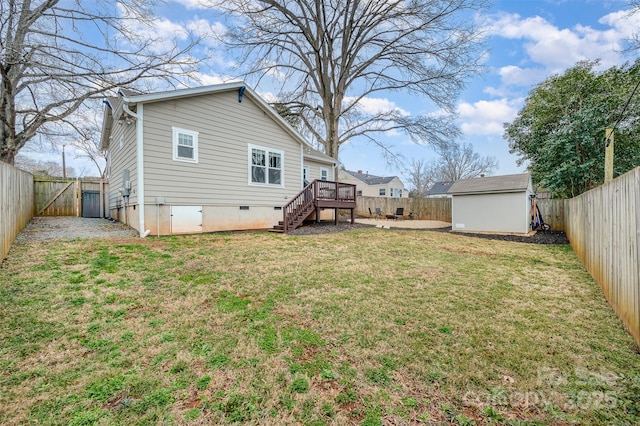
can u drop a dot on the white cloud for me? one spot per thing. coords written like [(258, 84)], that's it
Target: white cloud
[(193, 4), (210, 33), (549, 49), (208, 79), (517, 76), (377, 105), (623, 22), (487, 117)]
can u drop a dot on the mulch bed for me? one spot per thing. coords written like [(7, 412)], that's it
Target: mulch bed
[(540, 237)]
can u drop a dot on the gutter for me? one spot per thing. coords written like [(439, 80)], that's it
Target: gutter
[(140, 160)]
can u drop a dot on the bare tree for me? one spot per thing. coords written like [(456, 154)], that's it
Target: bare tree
[(459, 161), (421, 176), (42, 168), (54, 55), (634, 41), (332, 56), (86, 138)]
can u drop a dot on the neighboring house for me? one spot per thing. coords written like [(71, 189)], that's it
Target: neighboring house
[(204, 159), (492, 204), (375, 186), (439, 190)]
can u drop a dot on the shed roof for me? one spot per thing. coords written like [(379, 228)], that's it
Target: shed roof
[(371, 179), (439, 188), (489, 184)]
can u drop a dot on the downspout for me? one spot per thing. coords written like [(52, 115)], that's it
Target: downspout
[(140, 160)]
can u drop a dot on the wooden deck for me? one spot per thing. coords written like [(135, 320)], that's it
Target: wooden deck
[(318, 195)]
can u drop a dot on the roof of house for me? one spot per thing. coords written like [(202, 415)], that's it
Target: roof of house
[(130, 97), (371, 179), (320, 156), (506, 183), (439, 188)]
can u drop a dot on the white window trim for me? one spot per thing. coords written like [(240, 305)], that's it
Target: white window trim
[(324, 169), (305, 173), (250, 149), (380, 190), (176, 131)]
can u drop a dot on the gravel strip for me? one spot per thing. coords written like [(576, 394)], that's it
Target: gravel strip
[(71, 228)]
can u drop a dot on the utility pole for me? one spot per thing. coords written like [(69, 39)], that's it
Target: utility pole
[(64, 165), (608, 156)]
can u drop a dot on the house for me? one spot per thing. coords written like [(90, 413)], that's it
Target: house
[(204, 159), (375, 186), (492, 204), (439, 190)]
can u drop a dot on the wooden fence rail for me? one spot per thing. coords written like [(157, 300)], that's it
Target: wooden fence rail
[(552, 211), (423, 208), (16, 204), (64, 197), (603, 226)]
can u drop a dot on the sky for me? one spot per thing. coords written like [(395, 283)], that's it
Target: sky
[(526, 41)]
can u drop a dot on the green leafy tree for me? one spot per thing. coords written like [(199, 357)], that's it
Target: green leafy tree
[(560, 130)]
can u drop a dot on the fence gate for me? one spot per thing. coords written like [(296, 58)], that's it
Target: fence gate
[(91, 204), (69, 197), (55, 197)]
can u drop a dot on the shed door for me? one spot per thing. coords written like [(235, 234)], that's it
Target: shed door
[(90, 203), (186, 219)]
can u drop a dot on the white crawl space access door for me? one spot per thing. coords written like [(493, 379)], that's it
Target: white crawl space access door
[(186, 219)]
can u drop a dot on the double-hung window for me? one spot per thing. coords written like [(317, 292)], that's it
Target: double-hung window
[(185, 145), (265, 166), (324, 174)]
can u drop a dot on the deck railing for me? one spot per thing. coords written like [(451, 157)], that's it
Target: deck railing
[(322, 193)]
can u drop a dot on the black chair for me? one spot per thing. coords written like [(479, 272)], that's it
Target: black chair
[(399, 213)]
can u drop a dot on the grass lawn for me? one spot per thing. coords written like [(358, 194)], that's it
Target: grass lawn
[(368, 326)]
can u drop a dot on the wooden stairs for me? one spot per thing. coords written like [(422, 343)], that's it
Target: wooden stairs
[(318, 195)]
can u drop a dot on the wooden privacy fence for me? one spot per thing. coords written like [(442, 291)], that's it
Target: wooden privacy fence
[(603, 226), (16, 204), (423, 208), (552, 211), (70, 197)]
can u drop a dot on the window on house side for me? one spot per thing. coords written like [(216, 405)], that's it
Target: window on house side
[(265, 166), (324, 174), (275, 168), (185, 145), (382, 192)]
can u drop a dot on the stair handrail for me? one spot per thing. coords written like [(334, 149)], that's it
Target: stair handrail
[(298, 204), (319, 189)]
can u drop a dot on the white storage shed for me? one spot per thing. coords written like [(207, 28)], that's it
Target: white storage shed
[(492, 204)]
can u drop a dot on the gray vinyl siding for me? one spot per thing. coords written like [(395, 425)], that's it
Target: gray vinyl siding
[(225, 129), (314, 169), (121, 159)]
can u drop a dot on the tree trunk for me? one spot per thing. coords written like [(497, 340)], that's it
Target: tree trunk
[(7, 155)]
